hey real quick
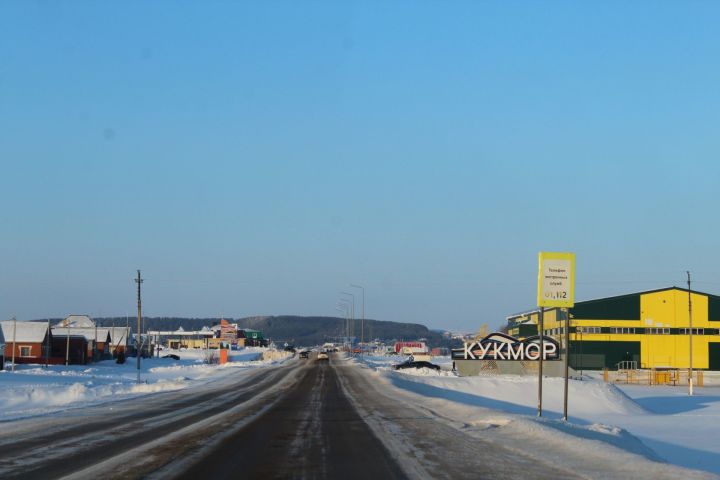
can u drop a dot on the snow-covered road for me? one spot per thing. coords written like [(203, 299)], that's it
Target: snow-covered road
[(312, 419)]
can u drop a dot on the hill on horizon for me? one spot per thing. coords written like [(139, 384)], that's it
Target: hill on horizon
[(294, 329)]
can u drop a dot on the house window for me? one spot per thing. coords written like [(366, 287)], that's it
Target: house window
[(25, 351), (588, 329), (658, 331), (622, 330)]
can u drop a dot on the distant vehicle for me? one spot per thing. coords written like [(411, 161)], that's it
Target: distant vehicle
[(172, 355), (417, 364), (322, 356), (305, 354)]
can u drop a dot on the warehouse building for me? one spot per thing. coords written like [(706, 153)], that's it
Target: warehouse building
[(640, 330)]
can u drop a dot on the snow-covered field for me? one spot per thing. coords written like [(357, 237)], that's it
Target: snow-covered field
[(33, 390), (669, 424)]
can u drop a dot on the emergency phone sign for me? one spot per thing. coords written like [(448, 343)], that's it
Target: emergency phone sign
[(556, 279)]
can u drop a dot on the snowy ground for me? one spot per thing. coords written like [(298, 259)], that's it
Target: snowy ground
[(33, 390), (669, 425)]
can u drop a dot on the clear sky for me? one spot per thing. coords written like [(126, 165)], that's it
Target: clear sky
[(254, 158)]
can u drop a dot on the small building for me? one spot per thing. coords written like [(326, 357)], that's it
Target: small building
[(119, 339), (253, 338), (181, 338), (70, 350), (29, 340), (98, 339), (648, 329)]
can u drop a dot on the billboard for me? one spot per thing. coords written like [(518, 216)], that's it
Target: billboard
[(410, 347), (556, 279)]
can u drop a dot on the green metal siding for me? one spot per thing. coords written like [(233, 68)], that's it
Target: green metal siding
[(589, 355), (713, 308), (714, 356), (626, 307), (527, 330)]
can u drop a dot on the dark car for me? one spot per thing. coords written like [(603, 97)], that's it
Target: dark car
[(305, 354), (418, 364)]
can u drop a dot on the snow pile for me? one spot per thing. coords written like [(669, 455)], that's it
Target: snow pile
[(660, 423), (32, 390)]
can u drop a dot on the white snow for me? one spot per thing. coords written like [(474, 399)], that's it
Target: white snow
[(34, 390), (658, 422)]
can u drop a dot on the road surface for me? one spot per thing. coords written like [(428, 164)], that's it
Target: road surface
[(305, 419)]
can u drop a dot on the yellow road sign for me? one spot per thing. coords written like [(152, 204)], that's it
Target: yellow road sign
[(556, 279)]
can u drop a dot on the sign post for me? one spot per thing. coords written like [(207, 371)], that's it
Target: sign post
[(556, 288)]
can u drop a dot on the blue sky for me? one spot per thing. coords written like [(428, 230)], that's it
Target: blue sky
[(255, 158)]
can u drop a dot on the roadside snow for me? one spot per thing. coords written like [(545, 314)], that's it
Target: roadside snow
[(33, 390), (660, 423)]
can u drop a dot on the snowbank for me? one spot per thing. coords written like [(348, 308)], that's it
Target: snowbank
[(33, 390), (660, 423)]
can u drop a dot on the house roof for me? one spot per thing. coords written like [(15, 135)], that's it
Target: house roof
[(30, 332), (82, 321), (103, 334), (118, 335)]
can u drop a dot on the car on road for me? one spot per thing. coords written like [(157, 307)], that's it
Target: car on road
[(322, 356), (305, 354), (417, 364)]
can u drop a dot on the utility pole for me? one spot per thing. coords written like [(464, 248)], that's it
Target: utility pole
[(690, 379), (67, 344), (14, 330), (47, 346), (139, 281)]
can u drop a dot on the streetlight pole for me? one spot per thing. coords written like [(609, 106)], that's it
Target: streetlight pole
[(343, 308), (348, 306), (352, 315), (690, 379), (362, 322)]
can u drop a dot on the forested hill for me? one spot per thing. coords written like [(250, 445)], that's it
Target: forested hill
[(294, 329)]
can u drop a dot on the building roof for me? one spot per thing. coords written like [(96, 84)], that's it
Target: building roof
[(118, 335), (103, 334), (81, 321), (626, 306), (29, 332)]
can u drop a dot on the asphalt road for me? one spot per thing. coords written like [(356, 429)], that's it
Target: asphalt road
[(292, 421), (78, 439), (305, 419), (312, 433)]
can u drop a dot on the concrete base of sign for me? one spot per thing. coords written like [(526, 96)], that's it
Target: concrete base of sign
[(471, 368)]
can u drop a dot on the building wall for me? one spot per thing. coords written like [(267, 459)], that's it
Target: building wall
[(36, 352), (657, 320)]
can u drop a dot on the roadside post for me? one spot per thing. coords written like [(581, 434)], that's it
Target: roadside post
[(556, 288)]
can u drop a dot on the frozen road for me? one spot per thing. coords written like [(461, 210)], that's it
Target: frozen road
[(306, 419)]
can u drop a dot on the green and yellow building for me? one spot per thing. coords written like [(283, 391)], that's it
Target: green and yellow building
[(651, 329)]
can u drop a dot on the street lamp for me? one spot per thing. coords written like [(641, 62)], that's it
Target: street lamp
[(352, 311), (348, 305), (343, 307), (362, 323)]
